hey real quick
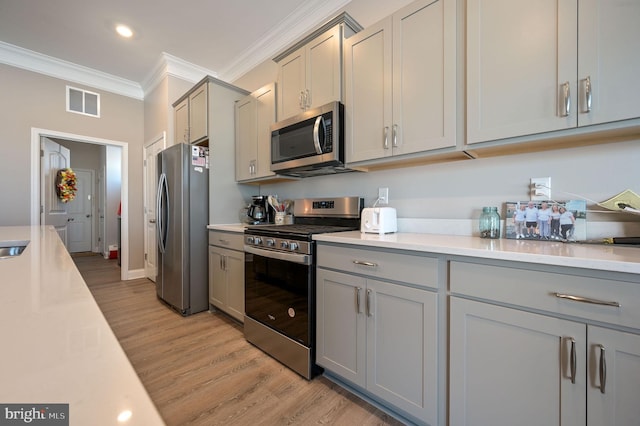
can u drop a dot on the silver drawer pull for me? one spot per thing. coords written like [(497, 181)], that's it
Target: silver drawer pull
[(223, 241), (586, 300), (363, 263)]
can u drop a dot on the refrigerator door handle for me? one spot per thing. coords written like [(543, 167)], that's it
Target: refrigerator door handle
[(161, 226)]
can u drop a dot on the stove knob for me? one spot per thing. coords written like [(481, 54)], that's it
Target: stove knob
[(293, 246), (284, 244), (257, 241), (271, 242), (249, 240)]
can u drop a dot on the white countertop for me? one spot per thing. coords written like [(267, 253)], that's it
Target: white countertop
[(57, 346), (613, 258), (231, 227)]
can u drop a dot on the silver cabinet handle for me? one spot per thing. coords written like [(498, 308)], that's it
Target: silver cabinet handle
[(603, 369), (307, 99), (395, 135), (586, 300), (566, 100), (357, 293), (385, 145), (301, 99), (574, 361), (225, 242), (587, 94), (369, 313), (364, 263)]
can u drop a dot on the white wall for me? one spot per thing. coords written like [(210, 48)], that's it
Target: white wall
[(458, 190)]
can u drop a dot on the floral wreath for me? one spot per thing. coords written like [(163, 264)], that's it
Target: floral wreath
[(66, 182)]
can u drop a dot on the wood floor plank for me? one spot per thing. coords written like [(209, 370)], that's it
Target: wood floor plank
[(199, 370)]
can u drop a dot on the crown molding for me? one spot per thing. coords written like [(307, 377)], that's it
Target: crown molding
[(68, 71), (308, 16), (169, 65)]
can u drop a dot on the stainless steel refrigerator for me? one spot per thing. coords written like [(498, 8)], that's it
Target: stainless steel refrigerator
[(182, 214)]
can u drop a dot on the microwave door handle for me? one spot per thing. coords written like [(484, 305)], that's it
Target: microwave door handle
[(316, 134)]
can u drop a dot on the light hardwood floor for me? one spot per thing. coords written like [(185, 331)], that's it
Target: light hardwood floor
[(200, 370)]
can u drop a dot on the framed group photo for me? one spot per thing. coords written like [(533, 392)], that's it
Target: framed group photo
[(546, 220)]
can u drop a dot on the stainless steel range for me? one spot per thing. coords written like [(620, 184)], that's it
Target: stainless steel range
[(280, 285)]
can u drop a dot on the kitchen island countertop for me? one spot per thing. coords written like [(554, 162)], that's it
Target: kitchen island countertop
[(612, 258), (57, 345)]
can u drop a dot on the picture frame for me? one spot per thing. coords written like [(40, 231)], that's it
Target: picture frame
[(546, 220)]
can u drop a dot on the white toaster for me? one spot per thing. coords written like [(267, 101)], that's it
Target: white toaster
[(379, 220)]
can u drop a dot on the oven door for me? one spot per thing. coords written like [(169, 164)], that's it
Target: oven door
[(279, 292)]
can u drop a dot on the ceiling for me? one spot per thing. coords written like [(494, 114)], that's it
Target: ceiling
[(225, 37)]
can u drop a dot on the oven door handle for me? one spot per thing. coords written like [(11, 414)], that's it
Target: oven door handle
[(303, 259)]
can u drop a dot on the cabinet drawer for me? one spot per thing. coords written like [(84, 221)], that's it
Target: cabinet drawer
[(537, 290), (409, 268), (230, 240)]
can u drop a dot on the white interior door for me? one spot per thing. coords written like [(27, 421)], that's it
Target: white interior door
[(151, 151), (53, 157), (80, 221)]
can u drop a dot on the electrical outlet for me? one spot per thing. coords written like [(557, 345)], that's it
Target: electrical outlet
[(540, 189), (383, 195)]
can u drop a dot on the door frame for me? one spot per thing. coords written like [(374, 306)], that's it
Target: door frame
[(161, 137), (36, 134)]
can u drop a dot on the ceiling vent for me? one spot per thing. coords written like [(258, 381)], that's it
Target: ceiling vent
[(83, 102)]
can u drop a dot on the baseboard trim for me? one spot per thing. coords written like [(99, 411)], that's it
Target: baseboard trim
[(135, 274)]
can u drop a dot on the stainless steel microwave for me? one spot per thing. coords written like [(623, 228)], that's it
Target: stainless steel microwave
[(310, 143)]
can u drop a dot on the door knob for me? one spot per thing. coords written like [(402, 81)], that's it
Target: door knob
[(88, 215)]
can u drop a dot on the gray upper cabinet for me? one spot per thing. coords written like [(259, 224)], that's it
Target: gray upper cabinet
[(191, 116), (310, 72), (535, 67), (254, 115), (400, 83)]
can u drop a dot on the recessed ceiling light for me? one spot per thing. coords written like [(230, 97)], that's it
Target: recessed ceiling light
[(124, 31)]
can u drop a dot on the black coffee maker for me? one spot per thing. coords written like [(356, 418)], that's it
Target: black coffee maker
[(258, 211)]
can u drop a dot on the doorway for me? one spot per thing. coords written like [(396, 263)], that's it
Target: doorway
[(36, 135)]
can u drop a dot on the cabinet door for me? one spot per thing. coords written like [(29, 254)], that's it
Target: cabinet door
[(609, 39), (341, 325), (217, 278), (424, 76), (616, 404), (368, 107), (512, 367), (402, 336), (234, 266), (198, 114), (181, 122), (519, 53), (265, 116), (324, 69), (245, 138), (291, 84)]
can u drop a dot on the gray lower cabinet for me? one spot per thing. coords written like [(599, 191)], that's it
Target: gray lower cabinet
[(376, 333), (535, 347), (226, 273)]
